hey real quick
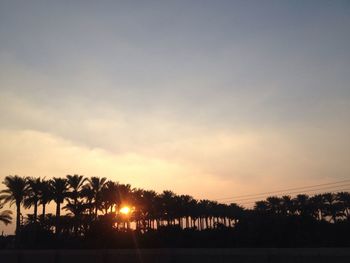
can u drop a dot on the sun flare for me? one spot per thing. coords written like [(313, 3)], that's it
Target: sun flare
[(125, 210)]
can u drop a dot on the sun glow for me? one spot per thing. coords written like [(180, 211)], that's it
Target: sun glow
[(125, 210)]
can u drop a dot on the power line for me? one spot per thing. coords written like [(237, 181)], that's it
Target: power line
[(315, 190), (332, 189), (293, 192), (285, 190), (290, 189)]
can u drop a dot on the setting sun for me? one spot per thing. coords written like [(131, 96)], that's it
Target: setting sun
[(125, 210)]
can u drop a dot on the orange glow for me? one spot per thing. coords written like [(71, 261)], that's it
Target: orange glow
[(125, 210)]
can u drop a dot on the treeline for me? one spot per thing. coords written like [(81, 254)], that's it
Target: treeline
[(96, 204)]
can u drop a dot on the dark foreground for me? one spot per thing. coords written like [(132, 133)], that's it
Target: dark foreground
[(239, 255)]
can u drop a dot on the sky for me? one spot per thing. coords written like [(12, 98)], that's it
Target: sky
[(208, 98)]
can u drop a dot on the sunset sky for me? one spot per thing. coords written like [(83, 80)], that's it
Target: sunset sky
[(208, 98)]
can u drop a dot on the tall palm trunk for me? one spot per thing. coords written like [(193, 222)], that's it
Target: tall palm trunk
[(35, 211), (44, 208), (18, 219), (58, 214), (18, 225)]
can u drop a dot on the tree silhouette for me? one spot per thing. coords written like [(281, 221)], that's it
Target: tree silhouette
[(287, 205), (317, 206), (5, 216), (95, 186), (344, 204), (93, 210), (45, 196), (236, 213), (33, 195), (15, 192), (59, 193), (88, 194), (302, 204), (274, 204), (331, 206), (110, 197), (75, 184), (261, 206), (147, 205)]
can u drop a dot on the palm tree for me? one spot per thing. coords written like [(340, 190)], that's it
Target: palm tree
[(149, 207), (274, 204), (88, 194), (14, 194), (287, 205), (124, 196), (317, 206), (5, 216), (302, 204), (186, 207), (33, 195), (332, 206), (96, 185), (110, 196), (203, 208), (138, 203), (261, 206), (167, 206), (235, 213), (75, 183), (59, 193), (45, 195), (344, 200), (76, 214), (124, 193)]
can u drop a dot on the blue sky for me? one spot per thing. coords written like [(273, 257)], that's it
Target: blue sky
[(239, 96)]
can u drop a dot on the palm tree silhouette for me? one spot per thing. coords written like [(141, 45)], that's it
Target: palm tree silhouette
[(344, 201), (302, 204), (5, 216), (261, 206), (88, 194), (124, 193), (33, 195), (236, 213), (96, 184), (110, 196), (274, 204), (287, 207), (75, 214), (331, 206), (167, 199), (203, 208), (124, 196), (75, 184), (59, 193), (148, 208), (317, 206), (85, 198), (14, 194), (45, 196)]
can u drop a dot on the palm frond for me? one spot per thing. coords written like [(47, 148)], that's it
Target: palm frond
[(5, 217)]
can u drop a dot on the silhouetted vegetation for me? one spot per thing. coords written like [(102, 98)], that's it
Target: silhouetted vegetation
[(105, 214)]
